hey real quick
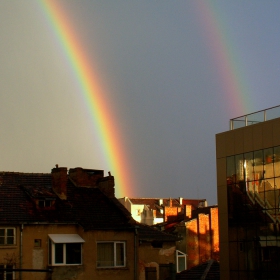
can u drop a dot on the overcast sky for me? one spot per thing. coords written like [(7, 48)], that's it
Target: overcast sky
[(175, 72)]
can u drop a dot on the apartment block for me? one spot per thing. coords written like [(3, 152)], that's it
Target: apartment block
[(248, 184)]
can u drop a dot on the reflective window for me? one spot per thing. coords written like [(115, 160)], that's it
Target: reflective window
[(253, 185)]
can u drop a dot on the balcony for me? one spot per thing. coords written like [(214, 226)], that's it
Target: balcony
[(256, 117)]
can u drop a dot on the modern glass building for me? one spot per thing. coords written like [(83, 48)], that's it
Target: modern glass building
[(248, 184)]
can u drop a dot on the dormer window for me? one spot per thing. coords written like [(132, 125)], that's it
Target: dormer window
[(44, 203), (42, 196)]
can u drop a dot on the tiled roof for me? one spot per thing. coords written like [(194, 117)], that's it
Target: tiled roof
[(148, 233), (89, 207)]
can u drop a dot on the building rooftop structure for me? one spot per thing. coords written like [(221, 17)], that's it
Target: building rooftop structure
[(256, 117), (69, 218), (248, 185), (157, 210)]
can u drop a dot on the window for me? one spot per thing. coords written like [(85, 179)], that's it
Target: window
[(266, 254), (181, 261), (241, 247), (7, 236), (157, 244), (37, 243), (111, 254), (44, 203), (65, 249), (6, 275)]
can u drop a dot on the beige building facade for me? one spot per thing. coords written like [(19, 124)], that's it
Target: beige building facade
[(248, 185), (68, 224), (35, 248)]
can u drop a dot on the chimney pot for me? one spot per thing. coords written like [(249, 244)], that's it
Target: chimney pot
[(59, 182)]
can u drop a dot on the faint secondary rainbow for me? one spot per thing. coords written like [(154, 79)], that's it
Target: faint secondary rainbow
[(226, 61), (93, 94)]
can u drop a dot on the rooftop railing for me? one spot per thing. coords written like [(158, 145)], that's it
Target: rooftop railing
[(257, 117)]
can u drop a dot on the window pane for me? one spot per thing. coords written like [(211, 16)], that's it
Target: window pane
[(58, 253), (2, 232), (2, 272), (181, 263), (9, 274), (10, 240), (239, 168), (41, 203), (230, 166), (120, 254), (268, 163), (105, 254), (2, 240), (277, 162), (73, 253), (10, 232), (258, 171)]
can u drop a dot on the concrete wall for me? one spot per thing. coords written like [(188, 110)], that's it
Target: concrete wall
[(153, 257)]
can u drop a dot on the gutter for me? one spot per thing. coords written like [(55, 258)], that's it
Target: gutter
[(26, 270), (135, 253), (20, 251)]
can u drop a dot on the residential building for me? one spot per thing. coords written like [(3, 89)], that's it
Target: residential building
[(195, 223), (199, 236), (68, 224), (152, 211), (248, 184)]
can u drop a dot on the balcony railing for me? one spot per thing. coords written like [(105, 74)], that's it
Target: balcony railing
[(257, 117)]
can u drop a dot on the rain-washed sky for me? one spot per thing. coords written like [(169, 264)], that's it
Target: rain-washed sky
[(175, 72)]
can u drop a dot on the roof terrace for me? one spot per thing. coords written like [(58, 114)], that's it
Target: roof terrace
[(256, 117)]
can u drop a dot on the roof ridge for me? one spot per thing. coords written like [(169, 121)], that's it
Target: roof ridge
[(25, 173)]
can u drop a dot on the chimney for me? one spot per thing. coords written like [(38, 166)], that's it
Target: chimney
[(85, 177), (188, 211), (107, 185), (59, 181), (181, 200)]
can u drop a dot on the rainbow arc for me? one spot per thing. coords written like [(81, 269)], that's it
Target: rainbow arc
[(92, 94)]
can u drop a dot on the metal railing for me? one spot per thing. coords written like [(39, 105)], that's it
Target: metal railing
[(256, 117)]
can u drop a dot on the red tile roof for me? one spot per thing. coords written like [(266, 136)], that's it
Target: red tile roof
[(86, 206), (89, 207)]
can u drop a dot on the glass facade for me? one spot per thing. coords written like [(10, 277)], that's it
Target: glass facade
[(253, 189)]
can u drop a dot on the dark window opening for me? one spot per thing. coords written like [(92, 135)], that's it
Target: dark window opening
[(157, 244)]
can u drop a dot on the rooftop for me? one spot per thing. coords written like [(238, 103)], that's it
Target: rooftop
[(256, 117), (86, 202)]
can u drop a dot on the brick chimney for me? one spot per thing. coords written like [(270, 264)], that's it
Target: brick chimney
[(107, 185), (59, 181), (85, 177), (188, 211)]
